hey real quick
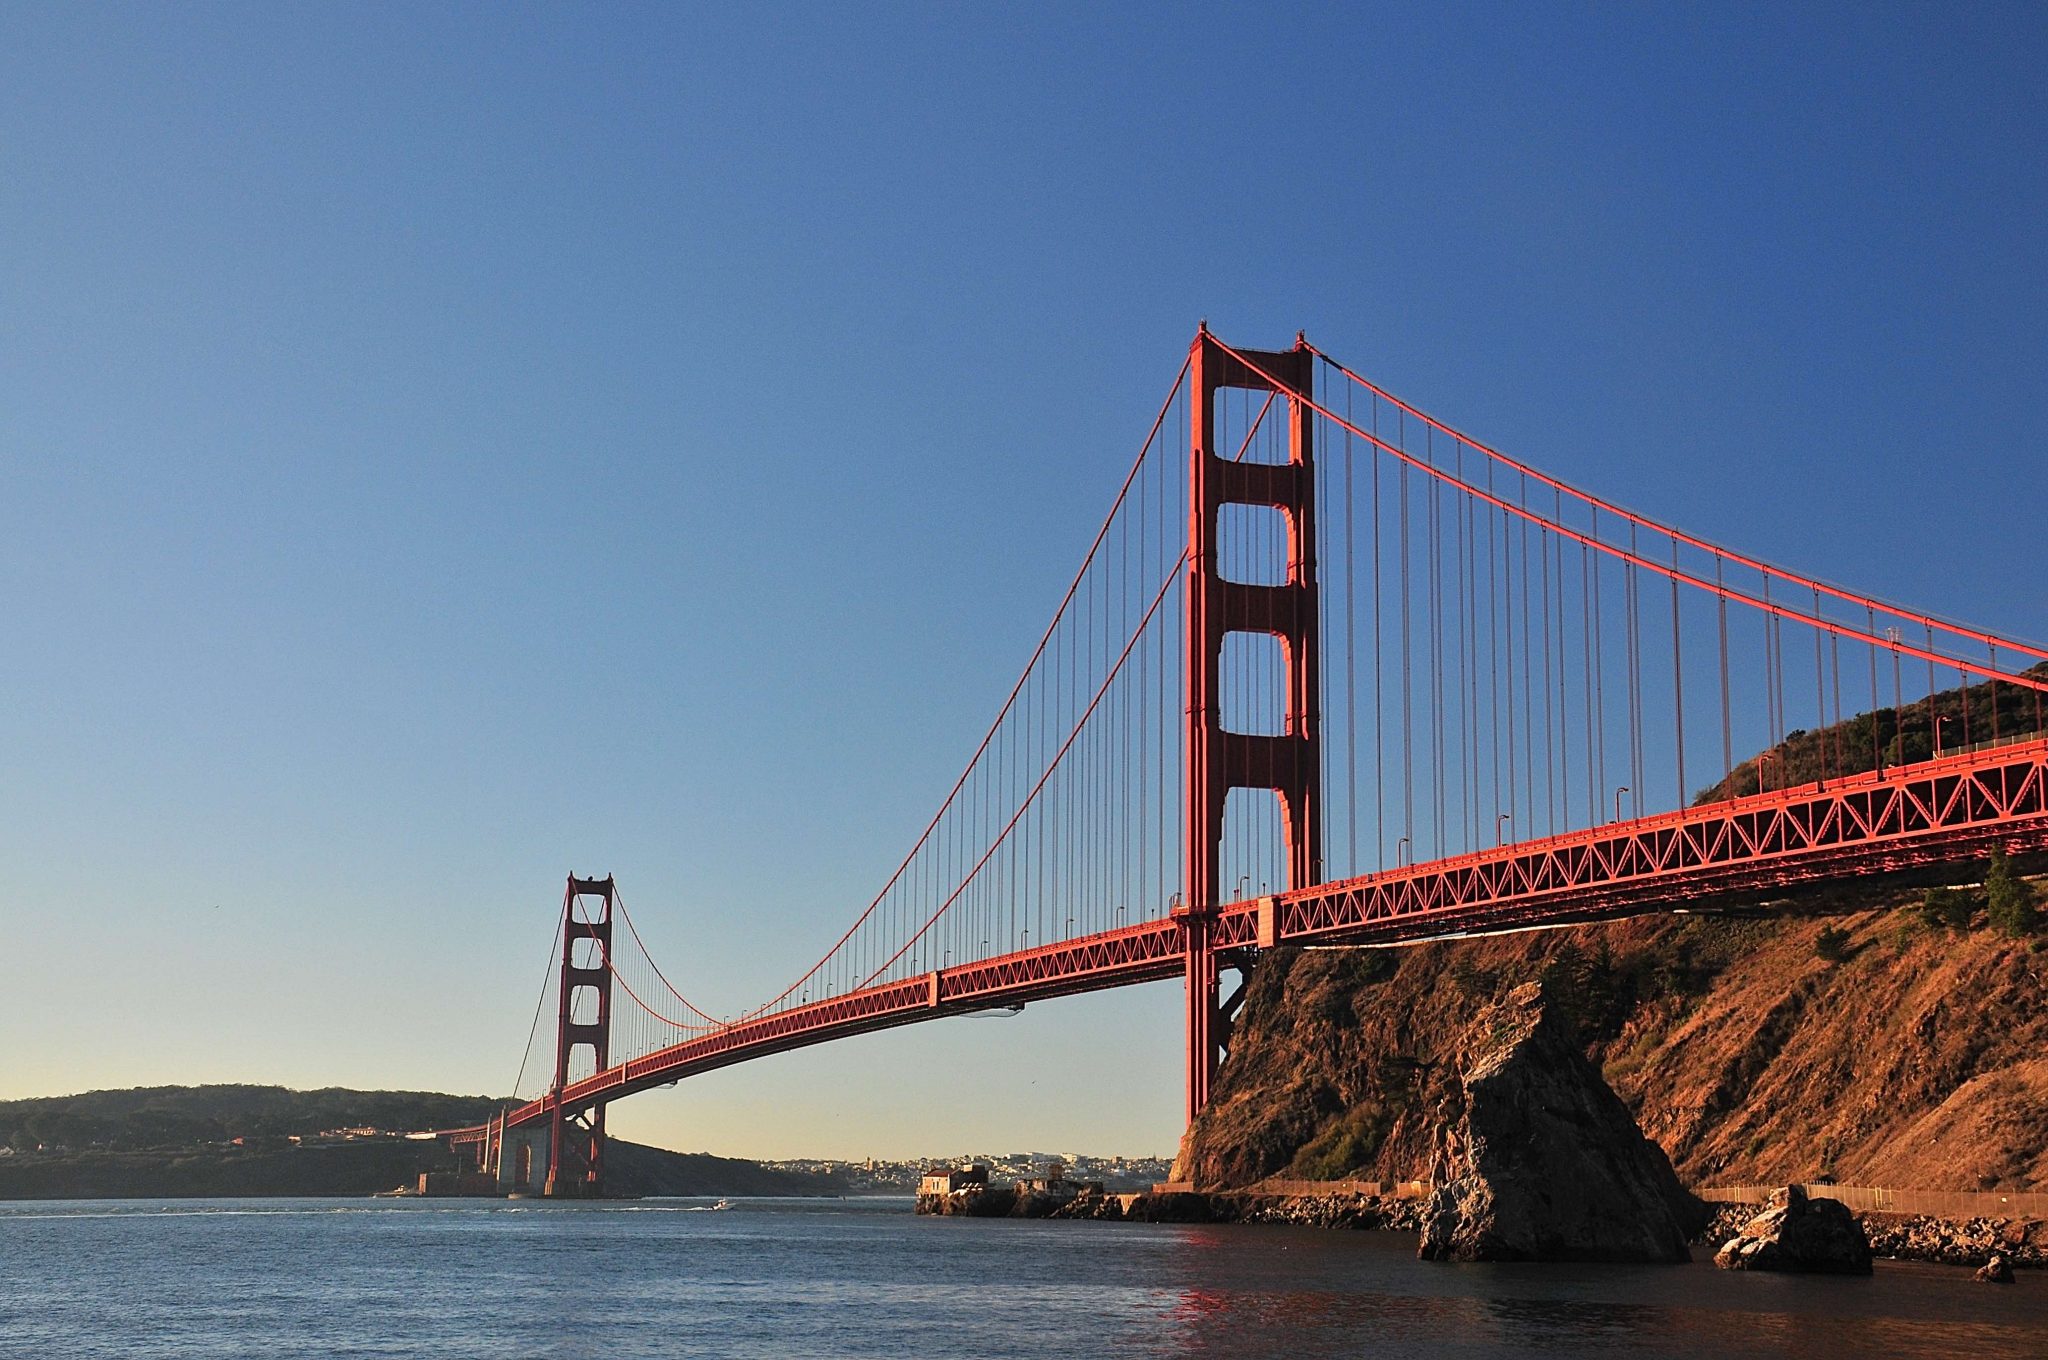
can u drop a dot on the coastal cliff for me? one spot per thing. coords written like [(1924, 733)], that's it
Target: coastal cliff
[(1881, 1046), (1888, 1033)]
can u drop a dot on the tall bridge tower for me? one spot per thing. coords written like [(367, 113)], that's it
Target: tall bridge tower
[(579, 1137), (1219, 760)]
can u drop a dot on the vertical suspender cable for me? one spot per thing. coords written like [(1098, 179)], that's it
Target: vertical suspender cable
[(1528, 654), (1350, 649), (1564, 725), (1407, 664), (1507, 612), (1549, 732), (1677, 682), (1379, 728), (1586, 680)]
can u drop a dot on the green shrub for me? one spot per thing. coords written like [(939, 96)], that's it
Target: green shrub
[(1947, 907), (2009, 899), (1832, 944), (1344, 1146)]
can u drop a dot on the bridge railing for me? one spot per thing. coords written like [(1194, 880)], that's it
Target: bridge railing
[(1934, 1203), (1303, 1188)]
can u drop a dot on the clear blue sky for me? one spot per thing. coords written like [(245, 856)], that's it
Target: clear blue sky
[(442, 447)]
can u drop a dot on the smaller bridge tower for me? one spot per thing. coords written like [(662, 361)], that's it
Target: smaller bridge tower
[(576, 1138)]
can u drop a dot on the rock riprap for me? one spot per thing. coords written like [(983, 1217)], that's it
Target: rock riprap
[(1997, 1270), (1798, 1233), (1538, 1160)]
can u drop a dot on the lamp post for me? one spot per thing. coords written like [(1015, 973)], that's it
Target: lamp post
[(1397, 850), (1619, 790), (1500, 827), (1938, 721)]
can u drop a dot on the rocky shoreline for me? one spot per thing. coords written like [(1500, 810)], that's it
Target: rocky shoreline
[(2023, 1242), (1920, 1237), (1367, 1213), (1526, 1154), (1900, 1237)]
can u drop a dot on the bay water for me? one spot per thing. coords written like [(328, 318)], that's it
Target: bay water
[(775, 1279)]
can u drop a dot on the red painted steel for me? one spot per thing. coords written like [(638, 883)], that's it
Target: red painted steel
[(1257, 364), (1626, 516), (1958, 807), (1219, 760), (587, 1178), (1742, 850)]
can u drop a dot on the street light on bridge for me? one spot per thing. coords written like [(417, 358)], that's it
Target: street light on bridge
[(1619, 790)]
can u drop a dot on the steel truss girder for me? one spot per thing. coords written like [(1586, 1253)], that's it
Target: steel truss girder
[(1938, 811), (1921, 814)]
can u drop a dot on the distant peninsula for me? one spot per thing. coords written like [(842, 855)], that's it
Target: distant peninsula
[(166, 1142)]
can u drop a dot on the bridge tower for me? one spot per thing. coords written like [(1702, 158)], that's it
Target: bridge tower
[(1219, 760), (576, 1140)]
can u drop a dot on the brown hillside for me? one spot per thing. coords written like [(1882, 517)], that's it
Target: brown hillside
[(1967, 716), (1920, 1059)]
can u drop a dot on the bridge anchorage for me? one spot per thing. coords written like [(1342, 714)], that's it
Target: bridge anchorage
[(1334, 673)]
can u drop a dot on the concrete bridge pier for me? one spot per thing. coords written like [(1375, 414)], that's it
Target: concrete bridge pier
[(522, 1160), (564, 1161)]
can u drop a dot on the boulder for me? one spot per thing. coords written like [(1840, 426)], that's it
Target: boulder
[(970, 1201), (1095, 1205), (1795, 1233), (1997, 1270), (1042, 1201), (1173, 1206), (1538, 1160)]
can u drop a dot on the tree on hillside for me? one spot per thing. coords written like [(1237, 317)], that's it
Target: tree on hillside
[(2009, 899), (1949, 907)]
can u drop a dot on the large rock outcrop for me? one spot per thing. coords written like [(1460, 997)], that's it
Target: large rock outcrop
[(1796, 1233), (1538, 1160)]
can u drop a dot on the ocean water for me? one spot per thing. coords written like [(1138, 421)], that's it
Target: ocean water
[(779, 1278)]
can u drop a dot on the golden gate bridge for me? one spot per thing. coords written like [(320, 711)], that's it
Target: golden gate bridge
[(1334, 672)]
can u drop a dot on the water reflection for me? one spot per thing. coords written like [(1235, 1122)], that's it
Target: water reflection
[(1328, 1295)]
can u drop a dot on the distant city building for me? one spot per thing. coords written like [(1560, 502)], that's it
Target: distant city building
[(946, 1180)]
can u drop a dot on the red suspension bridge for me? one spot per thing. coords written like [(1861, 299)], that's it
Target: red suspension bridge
[(1334, 672)]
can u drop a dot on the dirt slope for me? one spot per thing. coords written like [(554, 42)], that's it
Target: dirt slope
[(1919, 1059)]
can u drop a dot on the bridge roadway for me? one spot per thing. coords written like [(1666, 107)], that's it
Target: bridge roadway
[(1953, 808)]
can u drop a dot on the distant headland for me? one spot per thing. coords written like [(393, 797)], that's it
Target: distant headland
[(164, 1142)]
